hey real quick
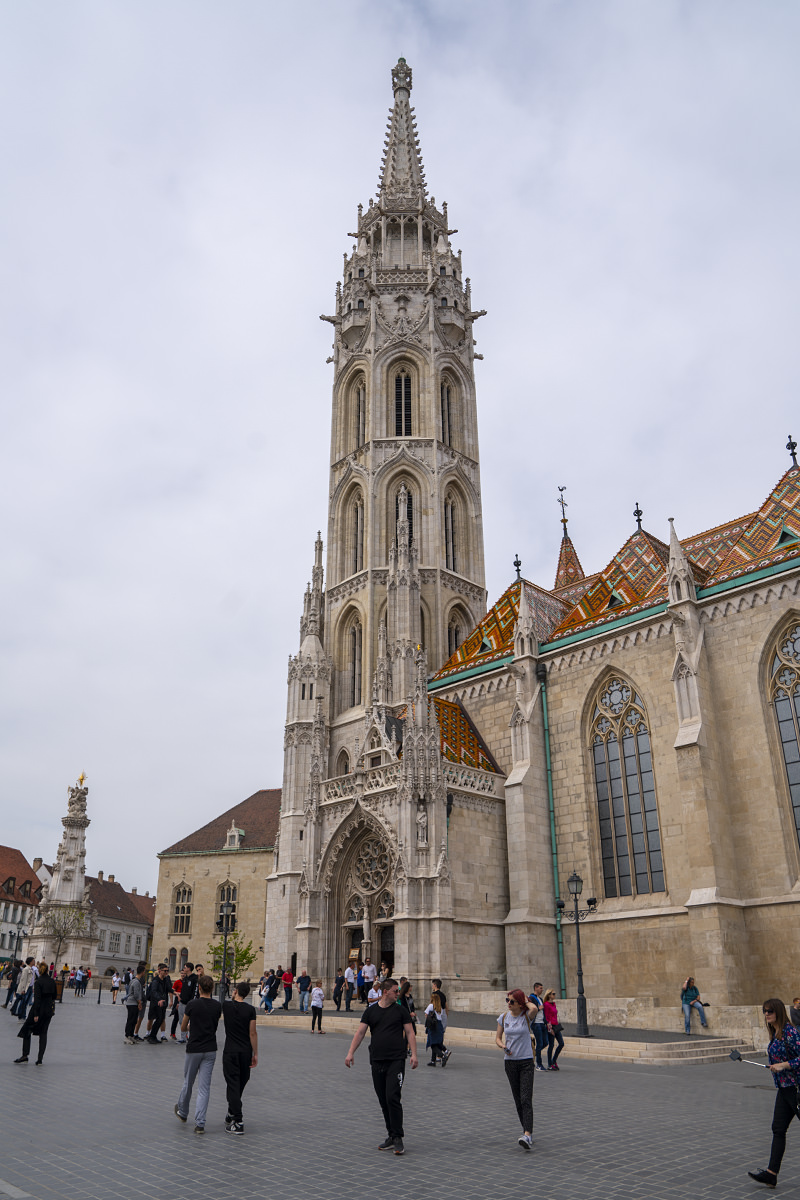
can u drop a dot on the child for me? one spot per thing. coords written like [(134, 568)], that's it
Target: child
[(317, 1001)]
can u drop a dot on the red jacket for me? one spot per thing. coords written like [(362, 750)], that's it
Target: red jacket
[(550, 1013)]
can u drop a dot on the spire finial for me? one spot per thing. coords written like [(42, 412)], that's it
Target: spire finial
[(518, 564), (637, 512), (792, 447), (401, 76), (564, 506)]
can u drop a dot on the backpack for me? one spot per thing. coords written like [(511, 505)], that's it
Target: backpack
[(431, 1021)]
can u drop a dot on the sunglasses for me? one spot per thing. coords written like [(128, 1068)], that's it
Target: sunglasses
[(510, 1001), (768, 1012)]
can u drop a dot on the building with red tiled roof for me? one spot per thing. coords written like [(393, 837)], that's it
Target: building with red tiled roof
[(20, 892), (123, 929), (227, 859)]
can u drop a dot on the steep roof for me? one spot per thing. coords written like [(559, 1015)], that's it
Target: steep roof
[(14, 865), (772, 535), (257, 816), (109, 899), (493, 639), (569, 570), (146, 906)]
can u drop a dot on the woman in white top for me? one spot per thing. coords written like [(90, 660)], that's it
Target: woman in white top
[(317, 1001), (514, 1039), (115, 982)]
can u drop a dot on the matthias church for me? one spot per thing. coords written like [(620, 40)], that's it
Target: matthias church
[(447, 765)]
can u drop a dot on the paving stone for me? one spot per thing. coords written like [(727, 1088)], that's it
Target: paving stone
[(97, 1120)]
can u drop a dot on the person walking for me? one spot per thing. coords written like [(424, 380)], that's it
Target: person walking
[(201, 1020), (360, 989), (115, 982), (317, 1002), (514, 1039), (176, 1004), (783, 1053), (287, 980), (338, 988), (539, 1024), (160, 991), (435, 1029), (13, 975), (390, 1025), (25, 982), (436, 985), (134, 1004), (239, 1054), (349, 986), (265, 990), (40, 1016), (554, 1029), (690, 998)]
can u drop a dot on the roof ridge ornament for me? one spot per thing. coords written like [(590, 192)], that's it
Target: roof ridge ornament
[(791, 446), (517, 565), (638, 514), (564, 506)]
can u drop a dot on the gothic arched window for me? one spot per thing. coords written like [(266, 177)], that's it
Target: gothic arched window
[(402, 404), (784, 693), (357, 556), (227, 894), (450, 531), (457, 627), (172, 960), (354, 665), (360, 412), (447, 414), (630, 841), (181, 909), (343, 763), (409, 515), (184, 956)]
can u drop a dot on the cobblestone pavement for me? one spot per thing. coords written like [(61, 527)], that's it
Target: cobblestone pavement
[(96, 1121)]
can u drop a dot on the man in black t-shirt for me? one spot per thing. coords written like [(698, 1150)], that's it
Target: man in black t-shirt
[(201, 1019), (391, 1026), (240, 1052)]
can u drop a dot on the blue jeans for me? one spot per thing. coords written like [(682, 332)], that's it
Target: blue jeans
[(540, 1036), (305, 999), (194, 1066), (266, 1002), (687, 1014)]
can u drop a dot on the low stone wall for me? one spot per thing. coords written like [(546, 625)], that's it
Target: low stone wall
[(744, 1021)]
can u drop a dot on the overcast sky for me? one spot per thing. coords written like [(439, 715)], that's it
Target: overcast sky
[(178, 179)]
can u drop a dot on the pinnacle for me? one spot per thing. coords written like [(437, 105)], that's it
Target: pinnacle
[(402, 172)]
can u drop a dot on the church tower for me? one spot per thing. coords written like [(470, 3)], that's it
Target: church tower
[(362, 850), (405, 538)]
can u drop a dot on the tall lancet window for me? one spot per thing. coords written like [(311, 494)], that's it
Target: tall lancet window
[(450, 531), (402, 405), (455, 633), (357, 558), (360, 413), (447, 416), (354, 671), (630, 842), (410, 515), (785, 695)]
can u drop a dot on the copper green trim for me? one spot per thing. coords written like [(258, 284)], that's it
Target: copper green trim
[(435, 684)]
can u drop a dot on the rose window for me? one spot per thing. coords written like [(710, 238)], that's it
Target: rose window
[(372, 865)]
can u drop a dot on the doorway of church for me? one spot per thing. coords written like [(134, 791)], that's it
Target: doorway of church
[(387, 946)]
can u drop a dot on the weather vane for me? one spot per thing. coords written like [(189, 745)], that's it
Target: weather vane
[(518, 564), (564, 506), (791, 447), (637, 512)]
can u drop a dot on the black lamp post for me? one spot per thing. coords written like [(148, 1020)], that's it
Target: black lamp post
[(226, 924), (575, 887), (20, 927)]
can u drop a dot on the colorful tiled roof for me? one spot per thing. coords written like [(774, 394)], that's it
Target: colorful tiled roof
[(771, 536), (493, 639), (258, 816), (460, 741), (710, 549), (569, 567), (573, 592)]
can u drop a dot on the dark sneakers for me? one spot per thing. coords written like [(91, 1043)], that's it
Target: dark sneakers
[(388, 1144), (235, 1127), (399, 1148), (764, 1177), (446, 1057), (179, 1114)]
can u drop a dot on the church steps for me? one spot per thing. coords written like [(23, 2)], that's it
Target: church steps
[(642, 1053)]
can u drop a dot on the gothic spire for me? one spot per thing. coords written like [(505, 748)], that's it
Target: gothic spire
[(569, 568), (402, 173)]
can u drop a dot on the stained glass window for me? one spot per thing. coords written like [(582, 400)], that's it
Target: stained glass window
[(785, 696), (630, 840)]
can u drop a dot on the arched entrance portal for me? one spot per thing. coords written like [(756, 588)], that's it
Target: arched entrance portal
[(365, 901)]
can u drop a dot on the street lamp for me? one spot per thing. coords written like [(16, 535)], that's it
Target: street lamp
[(575, 887), (20, 927), (226, 924)]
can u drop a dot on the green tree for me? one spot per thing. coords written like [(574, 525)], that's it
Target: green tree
[(240, 955), (60, 923)]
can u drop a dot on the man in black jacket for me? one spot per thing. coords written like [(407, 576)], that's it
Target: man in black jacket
[(160, 992), (188, 992)]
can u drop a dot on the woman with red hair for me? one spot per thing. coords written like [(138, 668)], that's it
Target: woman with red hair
[(514, 1039)]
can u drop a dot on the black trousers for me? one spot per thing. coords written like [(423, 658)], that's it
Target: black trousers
[(176, 1016), (236, 1071), (130, 1020), (519, 1073), (387, 1079), (316, 1018), (41, 1026), (785, 1102), (552, 1038)]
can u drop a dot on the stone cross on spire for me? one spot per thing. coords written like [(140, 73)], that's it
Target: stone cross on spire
[(402, 172)]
